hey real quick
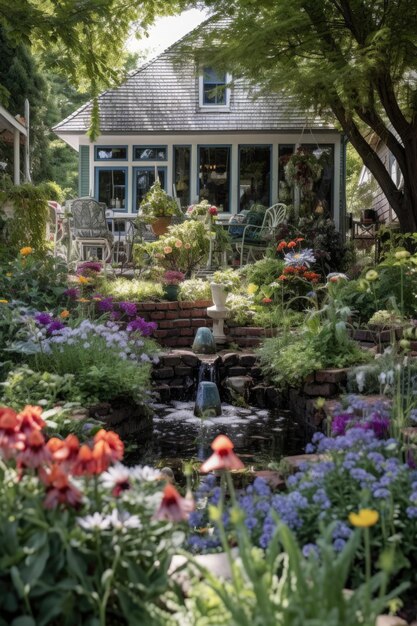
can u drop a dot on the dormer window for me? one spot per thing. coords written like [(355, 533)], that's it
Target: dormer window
[(214, 93)]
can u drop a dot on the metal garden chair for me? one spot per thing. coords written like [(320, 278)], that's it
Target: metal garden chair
[(256, 239), (89, 230)]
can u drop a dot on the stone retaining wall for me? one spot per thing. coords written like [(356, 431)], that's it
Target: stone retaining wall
[(176, 375)]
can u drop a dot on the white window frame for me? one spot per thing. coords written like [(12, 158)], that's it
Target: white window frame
[(213, 107)]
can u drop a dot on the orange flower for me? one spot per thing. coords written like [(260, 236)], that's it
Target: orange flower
[(108, 448), (299, 239), (64, 314), (173, 507), (83, 300), (178, 243), (167, 250), (30, 419), (281, 246), (26, 251), (64, 450), (291, 244), (223, 456), (266, 300), (11, 439), (84, 463), (282, 277), (83, 280)]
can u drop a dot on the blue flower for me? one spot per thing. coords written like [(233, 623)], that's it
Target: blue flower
[(411, 512), (310, 549), (297, 259), (338, 545)]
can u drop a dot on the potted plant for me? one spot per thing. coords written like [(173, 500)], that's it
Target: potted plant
[(171, 281), (203, 211), (157, 208), (224, 281)]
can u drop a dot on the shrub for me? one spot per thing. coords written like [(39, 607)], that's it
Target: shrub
[(195, 289), (136, 290)]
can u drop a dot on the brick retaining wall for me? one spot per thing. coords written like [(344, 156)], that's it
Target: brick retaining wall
[(178, 322)]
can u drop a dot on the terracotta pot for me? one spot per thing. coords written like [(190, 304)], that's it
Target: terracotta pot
[(160, 225)]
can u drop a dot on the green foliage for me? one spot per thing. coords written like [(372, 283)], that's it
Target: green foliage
[(27, 224), (308, 591), (322, 342), (157, 203), (241, 308), (61, 564), (183, 248), (38, 282), (229, 278), (135, 290), (195, 289), (25, 386), (264, 271)]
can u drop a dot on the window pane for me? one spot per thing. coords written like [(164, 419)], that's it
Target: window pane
[(214, 176), (214, 94), (112, 188), (322, 193), (143, 181), (107, 153), (255, 176), (182, 158), (150, 153), (285, 192), (211, 76)]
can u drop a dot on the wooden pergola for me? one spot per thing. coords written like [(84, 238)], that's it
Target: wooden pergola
[(15, 130)]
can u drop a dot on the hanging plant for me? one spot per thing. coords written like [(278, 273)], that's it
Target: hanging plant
[(303, 170)]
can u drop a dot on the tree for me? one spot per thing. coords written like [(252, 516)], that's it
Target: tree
[(353, 60), (87, 35)]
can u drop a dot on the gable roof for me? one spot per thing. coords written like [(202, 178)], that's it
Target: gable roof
[(162, 97)]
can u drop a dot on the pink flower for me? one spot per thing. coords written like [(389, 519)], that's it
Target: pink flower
[(178, 243), (173, 507), (167, 250), (213, 210), (223, 457), (36, 453)]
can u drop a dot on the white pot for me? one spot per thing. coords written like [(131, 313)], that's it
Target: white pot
[(219, 295)]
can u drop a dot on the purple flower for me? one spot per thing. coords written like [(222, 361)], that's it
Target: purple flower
[(129, 308), (43, 318), (105, 305), (88, 267), (142, 326), (55, 325), (72, 293), (340, 423)]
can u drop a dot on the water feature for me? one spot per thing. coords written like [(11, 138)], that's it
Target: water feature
[(260, 435), (207, 402)]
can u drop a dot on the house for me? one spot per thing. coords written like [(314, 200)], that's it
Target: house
[(204, 135)]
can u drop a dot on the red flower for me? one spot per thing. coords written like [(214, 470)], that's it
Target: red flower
[(58, 488), (223, 457), (291, 244), (213, 210), (35, 453), (84, 463), (281, 246), (108, 448), (282, 277), (173, 507), (30, 419), (11, 439), (266, 300)]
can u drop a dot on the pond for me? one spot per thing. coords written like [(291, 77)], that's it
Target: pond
[(260, 436)]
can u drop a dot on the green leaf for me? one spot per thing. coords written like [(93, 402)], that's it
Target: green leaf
[(24, 620), (107, 577), (17, 581)]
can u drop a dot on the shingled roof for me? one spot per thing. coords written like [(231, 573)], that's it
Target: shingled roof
[(162, 97)]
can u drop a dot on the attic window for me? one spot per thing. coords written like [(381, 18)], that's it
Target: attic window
[(214, 92)]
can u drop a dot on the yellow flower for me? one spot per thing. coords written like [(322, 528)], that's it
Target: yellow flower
[(9, 274), (252, 288), (402, 254), (26, 250), (4, 301), (371, 275), (364, 519), (64, 314), (83, 300), (83, 280)]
